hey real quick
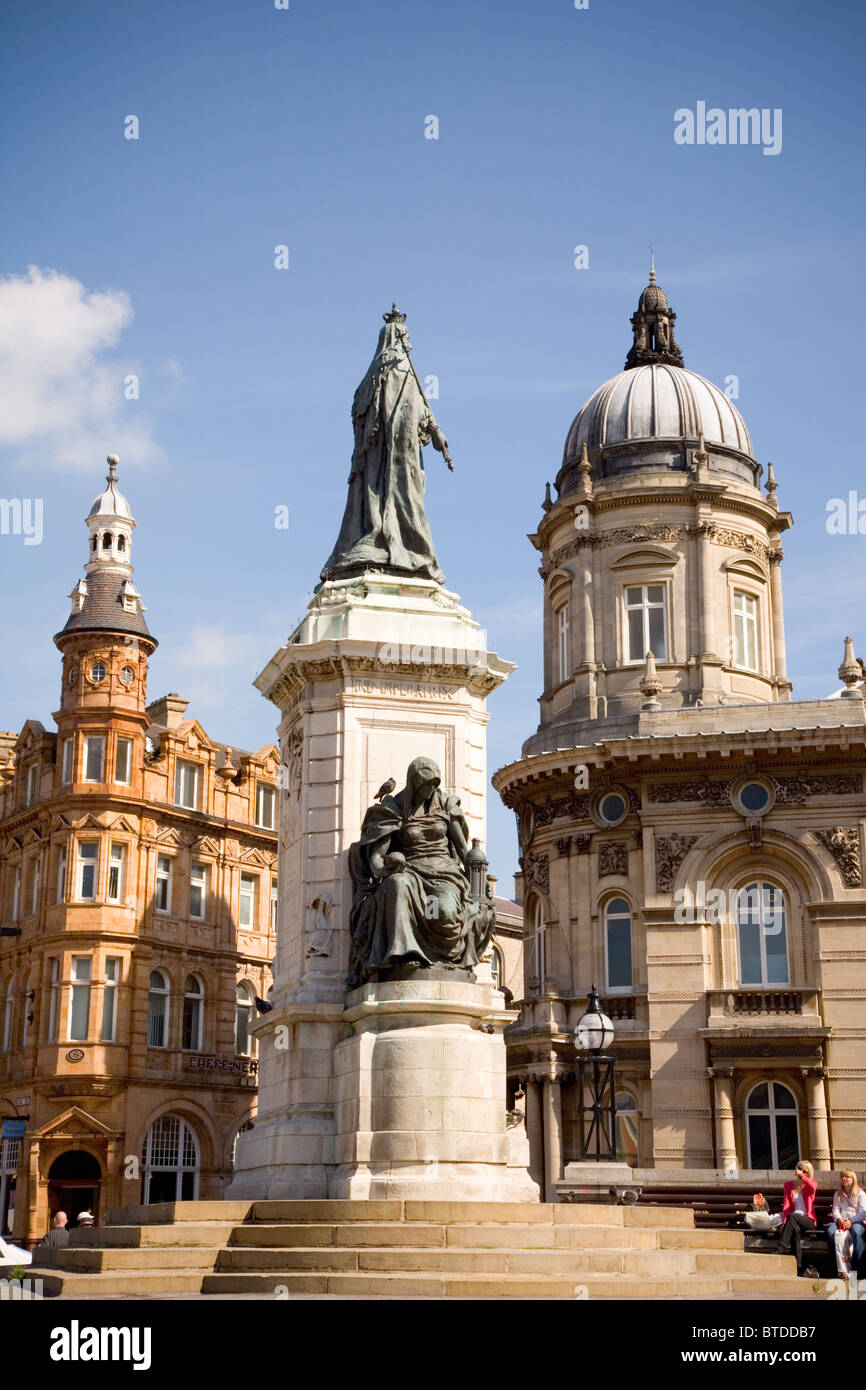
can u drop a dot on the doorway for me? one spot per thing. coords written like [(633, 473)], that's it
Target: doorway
[(74, 1181)]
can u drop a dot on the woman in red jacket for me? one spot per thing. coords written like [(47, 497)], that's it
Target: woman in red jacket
[(798, 1211)]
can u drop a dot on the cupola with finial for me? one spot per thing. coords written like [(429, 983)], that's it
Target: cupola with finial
[(653, 328)]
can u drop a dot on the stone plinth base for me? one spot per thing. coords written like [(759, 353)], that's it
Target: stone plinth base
[(420, 1095), (595, 1181)]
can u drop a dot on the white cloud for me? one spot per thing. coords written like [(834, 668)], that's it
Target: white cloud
[(62, 401)]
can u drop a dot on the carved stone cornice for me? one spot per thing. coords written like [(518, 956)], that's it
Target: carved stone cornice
[(623, 535)]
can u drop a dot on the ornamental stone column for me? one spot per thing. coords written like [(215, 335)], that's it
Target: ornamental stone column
[(552, 1138), (535, 1130), (779, 658), (819, 1133), (726, 1139)]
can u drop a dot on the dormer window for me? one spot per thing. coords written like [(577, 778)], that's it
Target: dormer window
[(32, 776), (128, 603)]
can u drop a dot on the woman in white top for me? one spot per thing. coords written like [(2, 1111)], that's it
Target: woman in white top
[(849, 1218)]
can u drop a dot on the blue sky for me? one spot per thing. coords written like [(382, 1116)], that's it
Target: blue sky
[(305, 127)]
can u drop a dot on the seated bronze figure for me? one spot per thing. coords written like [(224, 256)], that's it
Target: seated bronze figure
[(412, 904)]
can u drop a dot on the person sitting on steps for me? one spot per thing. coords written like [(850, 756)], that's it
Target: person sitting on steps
[(849, 1216), (798, 1211)]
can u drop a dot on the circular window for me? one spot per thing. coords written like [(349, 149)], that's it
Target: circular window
[(127, 675), (73, 675), (97, 672), (612, 808), (753, 798)]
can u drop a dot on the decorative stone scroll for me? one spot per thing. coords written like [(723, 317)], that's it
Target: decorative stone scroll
[(843, 842), (576, 805), (671, 850), (612, 858), (623, 535)]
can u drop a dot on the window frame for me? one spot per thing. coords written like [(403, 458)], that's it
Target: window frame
[(182, 767), (110, 988), (31, 790), (79, 986), (200, 882), (644, 607), (88, 740), (250, 897), (162, 992), (81, 862), (249, 1008), (67, 765), (54, 984), (197, 1043), (763, 983), (608, 918), (161, 876), (266, 793), (116, 868), (755, 621), (127, 743)]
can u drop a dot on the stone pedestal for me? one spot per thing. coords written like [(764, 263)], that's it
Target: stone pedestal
[(381, 670), (420, 1095)]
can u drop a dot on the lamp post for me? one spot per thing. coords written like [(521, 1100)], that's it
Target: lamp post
[(596, 1074)]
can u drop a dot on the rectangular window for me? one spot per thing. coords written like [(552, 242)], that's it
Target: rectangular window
[(88, 857), (109, 999), (32, 775), (645, 615), (94, 757), (162, 896), (265, 804), (186, 785), (274, 904), (34, 886), (197, 891), (123, 761), (79, 1011), (745, 630), (246, 915), (68, 752), (563, 646), (16, 896), (116, 864), (53, 999), (61, 874)]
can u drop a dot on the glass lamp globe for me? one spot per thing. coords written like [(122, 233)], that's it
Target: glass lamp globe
[(594, 1032)]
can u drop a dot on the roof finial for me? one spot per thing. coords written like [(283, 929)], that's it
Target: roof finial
[(112, 462), (652, 278), (851, 672)]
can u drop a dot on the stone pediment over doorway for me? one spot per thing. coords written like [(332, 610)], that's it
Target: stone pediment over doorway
[(75, 1124)]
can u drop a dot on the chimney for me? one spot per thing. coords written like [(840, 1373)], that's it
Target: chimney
[(168, 711)]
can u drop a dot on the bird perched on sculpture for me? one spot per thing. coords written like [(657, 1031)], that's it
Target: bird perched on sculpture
[(385, 789)]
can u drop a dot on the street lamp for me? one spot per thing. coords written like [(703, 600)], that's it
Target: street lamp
[(596, 1075)]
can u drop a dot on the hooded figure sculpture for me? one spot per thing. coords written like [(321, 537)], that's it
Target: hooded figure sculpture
[(385, 525), (412, 904)]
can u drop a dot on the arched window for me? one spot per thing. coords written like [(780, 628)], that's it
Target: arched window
[(170, 1162), (7, 1016), (193, 1013), (496, 968), (773, 1126), (762, 935), (536, 962), (627, 1146), (245, 1127), (106, 541), (10, 1157), (157, 1010), (244, 1009), (27, 1010), (121, 543), (617, 945)]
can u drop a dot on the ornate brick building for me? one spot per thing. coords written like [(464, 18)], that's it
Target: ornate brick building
[(137, 906), (690, 838)]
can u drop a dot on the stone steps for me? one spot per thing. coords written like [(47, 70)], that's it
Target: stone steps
[(412, 1249)]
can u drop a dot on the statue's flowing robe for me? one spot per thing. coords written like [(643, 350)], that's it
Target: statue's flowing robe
[(423, 912), (385, 524)]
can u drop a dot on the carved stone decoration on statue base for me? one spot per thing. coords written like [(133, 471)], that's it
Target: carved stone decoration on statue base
[(420, 1089)]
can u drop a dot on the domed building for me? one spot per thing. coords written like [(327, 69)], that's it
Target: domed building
[(690, 838)]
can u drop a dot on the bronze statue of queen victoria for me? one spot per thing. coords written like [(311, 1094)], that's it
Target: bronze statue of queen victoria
[(412, 905)]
